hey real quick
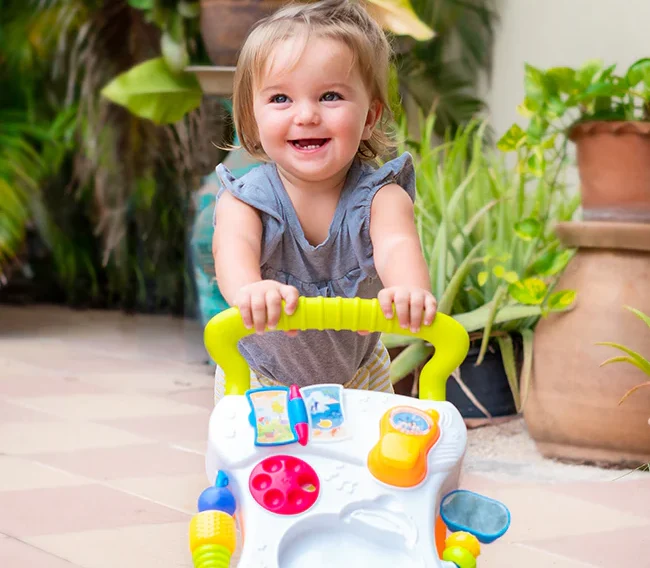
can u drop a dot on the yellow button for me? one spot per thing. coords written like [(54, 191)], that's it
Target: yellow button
[(406, 434)]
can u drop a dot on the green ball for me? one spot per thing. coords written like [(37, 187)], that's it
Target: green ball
[(460, 556)]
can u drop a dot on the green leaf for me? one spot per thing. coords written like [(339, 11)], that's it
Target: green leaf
[(141, 4), (393, 340), (528, 108), (498, 270), (510, 367), (560, 301), (563, 77), (150, 90), (482, 277), (550, 263), (638, 360), (449, 296), (536, 163), (587, 72), (639, 314), (530, 291), (528, 229), (188, 9), (477, 319), (409, 360), (494, 306), (512, 139), (534, 84), (639, 71), (399, 17), (527, 337), (536, 129), (511, 276)]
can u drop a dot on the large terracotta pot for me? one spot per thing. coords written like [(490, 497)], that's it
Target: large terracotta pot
[(226, 23), (572, 410), (614, 169)]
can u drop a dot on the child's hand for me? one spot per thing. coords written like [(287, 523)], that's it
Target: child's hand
[(414, 306), (260, 303)]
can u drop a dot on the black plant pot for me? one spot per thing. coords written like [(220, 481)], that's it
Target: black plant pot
[(487, 382)]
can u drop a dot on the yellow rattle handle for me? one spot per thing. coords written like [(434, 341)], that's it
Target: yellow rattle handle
[(448, 337)]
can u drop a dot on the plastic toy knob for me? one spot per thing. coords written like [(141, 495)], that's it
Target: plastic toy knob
[(460, 556), (213, 528), (465, 540), (219, 497), (211, 556)]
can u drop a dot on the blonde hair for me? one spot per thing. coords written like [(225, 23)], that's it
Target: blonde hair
[(343, 20)]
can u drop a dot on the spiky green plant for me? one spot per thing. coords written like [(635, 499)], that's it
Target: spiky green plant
[(489, 243)]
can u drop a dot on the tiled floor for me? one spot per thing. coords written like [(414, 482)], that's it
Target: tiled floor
[(103, 419)]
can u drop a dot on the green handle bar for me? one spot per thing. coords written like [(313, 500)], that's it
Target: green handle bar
[(448, 337)]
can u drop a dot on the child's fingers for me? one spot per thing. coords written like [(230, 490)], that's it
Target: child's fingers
[(430, 308), (273, 307), (385, 298), (243, 303), (416, 311), (290, 295), (402, 307), (258, 309)]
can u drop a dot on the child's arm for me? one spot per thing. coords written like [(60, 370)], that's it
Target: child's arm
[(236, 247), (399, 260)]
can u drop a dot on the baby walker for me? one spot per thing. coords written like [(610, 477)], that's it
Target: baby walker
[(321, 476)]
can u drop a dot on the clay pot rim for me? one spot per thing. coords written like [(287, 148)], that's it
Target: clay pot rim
[(614, 127)]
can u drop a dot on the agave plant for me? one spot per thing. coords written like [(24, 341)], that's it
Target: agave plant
[(631, 357), (489, 244)]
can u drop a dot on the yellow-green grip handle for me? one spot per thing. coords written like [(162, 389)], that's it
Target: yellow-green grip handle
[(449, 338)]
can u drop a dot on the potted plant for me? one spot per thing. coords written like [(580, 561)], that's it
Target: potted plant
[(494, 261), (631, 430), (607, 116)]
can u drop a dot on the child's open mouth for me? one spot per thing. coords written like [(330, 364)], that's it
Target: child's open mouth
[(309, 144)]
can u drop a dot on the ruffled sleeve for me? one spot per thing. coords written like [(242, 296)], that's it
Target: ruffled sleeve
[(254, 189), (399, 171)]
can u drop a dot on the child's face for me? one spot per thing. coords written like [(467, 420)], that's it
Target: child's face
[(311, 116)]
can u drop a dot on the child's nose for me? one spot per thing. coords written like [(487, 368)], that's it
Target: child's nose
[(307, 113)]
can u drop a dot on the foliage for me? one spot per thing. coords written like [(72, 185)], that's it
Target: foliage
[(631, 357), (113, 205), (442, 75), (488, 240), (557, 99)]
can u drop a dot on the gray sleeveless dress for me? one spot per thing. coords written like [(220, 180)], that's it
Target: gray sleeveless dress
[(342, 265)]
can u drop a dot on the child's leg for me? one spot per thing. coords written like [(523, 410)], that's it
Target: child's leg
[(375, 374)]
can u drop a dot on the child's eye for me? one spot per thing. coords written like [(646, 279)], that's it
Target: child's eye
[(279, 99), (331, 96)]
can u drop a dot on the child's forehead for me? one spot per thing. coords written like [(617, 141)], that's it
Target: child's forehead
[(295, 53)]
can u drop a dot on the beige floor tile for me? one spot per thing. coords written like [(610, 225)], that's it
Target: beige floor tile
[(17, 554), (21, 438), (18, 474), (60, 510), (16, 413), (107, 406), (136, 460), (178, 492), (159, 546), (155, 380), (539, 514), (34, 382), (504, 555), (174, 429)]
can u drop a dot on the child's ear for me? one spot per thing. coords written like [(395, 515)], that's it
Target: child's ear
[(373, 116)]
